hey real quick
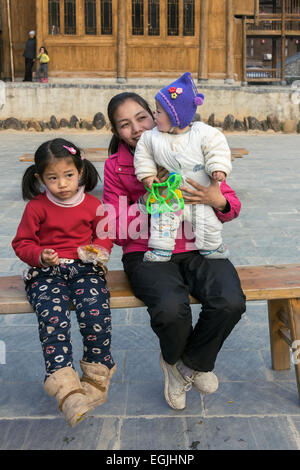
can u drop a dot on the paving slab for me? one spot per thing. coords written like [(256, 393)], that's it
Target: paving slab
[(255, 408)]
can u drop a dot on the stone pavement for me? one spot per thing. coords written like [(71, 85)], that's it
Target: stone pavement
[(254, 407)]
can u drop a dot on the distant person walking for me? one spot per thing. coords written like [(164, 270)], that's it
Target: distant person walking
[(42, 72), (30, 55)]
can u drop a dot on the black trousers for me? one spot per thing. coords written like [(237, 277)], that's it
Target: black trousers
[(164, 287), (28, 69)]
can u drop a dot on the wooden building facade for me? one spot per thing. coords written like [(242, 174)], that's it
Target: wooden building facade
[(146, 38)]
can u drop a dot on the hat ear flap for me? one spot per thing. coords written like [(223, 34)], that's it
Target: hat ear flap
[(198, 101)]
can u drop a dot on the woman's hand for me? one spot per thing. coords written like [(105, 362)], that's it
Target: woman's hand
[(49, 257), (210, 195)]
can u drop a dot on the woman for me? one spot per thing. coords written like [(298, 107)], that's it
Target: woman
[(187, 354)]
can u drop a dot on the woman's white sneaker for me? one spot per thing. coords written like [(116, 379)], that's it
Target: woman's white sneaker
[(205, 382), (175, 386)]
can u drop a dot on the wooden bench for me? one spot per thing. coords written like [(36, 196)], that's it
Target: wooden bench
[(278, 284), (100, 154)]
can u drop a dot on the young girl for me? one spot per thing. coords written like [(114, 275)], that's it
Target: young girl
[(57, 233), (44, 59), (194, 151)]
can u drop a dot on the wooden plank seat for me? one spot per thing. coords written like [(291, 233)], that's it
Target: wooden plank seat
[(99, 154), (278, 284)]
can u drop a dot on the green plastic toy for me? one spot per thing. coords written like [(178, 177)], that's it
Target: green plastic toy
[(172, 201)]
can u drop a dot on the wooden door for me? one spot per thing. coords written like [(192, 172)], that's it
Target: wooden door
[(23, 20)]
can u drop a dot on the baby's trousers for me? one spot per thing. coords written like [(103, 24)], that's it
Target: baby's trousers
[(165, 288), (50, 291), (206, 227)]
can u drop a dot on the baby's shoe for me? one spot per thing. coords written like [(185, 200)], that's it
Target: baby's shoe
[(65, 386), (95, 381), (158, 255), (221, 252)]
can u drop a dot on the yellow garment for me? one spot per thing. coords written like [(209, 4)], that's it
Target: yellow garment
[(43, 58)]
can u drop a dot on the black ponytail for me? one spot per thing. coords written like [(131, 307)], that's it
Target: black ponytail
[(31, 186), (90, 176)]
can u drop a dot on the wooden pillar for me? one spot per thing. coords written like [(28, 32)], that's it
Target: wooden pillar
[(121, 42), (5, 42), (274, 57), (244, 51), (39, 23), (229, 42), (11, 54), (203, 47), (283, 37)]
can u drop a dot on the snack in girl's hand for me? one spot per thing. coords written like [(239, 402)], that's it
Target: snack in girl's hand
[(93, 254)]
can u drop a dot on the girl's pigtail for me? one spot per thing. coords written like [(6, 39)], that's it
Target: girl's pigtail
[(30, 184), (90, 176)]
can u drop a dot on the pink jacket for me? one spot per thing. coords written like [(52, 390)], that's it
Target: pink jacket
[(129, 226)]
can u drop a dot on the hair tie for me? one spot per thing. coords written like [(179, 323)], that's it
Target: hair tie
[(70, 149)]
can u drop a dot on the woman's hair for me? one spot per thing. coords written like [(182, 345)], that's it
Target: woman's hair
[(46, 154), (45, 50), (113, 105)]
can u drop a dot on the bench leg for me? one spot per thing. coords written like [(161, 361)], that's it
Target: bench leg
[(280, 351), (294, 321)]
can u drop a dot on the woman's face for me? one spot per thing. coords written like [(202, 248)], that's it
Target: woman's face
[(131, 120)]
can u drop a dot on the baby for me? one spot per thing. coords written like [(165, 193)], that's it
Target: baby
[(194, 150)]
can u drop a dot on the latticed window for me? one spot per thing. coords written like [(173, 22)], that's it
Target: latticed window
[(54, 16), (106, 17), (188, 17), (90, 16), (153, 18), (70, 16), (137, 17), (173, 18)]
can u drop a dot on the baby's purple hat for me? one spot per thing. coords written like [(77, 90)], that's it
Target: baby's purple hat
[(180, 100)]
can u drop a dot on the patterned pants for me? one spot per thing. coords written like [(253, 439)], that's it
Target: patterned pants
[(50, 290)]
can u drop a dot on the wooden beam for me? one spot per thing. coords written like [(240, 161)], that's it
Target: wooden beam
[(280, 351), (122, 42), (229, 42), (203, 46)]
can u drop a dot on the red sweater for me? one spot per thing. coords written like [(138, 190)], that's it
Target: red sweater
[(47, 225)]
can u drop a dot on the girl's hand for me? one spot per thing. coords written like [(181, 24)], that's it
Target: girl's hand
[(49, 257), (210, 195)]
